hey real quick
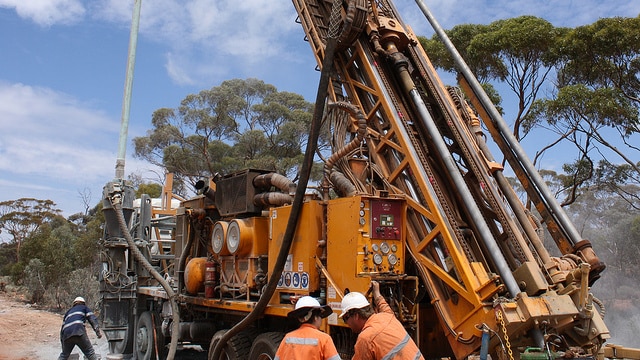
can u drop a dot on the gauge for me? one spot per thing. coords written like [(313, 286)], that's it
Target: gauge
[(233, 237), (362, 221), (394, 247), (361, 212), (377, 259), (217, 236), (384, 247), (393, 259), (361, 204), (375, 247)]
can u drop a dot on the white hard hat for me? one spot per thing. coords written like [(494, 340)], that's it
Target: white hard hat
[(353, 300), (78, 299), (306, 303)]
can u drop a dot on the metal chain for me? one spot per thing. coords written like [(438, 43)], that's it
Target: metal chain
[(335, 20), (505, 335)]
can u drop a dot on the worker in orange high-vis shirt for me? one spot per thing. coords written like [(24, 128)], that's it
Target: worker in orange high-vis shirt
[(380, 333), (307, 342)]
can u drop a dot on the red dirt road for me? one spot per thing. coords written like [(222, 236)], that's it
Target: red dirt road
[(27, 333)]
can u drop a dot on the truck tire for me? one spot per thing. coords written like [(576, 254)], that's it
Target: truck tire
[(237, 348), (265, 346), (148, 338)]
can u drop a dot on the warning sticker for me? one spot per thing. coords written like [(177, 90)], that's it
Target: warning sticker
[(295, 281)]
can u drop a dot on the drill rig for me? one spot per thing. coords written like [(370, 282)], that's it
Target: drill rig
[(411, 197)]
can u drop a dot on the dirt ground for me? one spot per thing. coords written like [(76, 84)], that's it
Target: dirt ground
[(28, 333)]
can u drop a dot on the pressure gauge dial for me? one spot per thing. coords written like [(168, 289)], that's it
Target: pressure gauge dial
[(394, 247), (384, 247), (377, 259), (393, 259), (375, 247)]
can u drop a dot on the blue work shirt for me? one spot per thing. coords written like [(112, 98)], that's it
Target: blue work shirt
[(74, 321)]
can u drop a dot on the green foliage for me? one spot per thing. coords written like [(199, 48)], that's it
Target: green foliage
[(523, 41), (598, 94), (7, 257), (34, 274), (54, 250), (486, 66), (80, 282), (86, 245), (154, 190), (22, 217), (237, 125), (604, 55), (512, 51), (494, 96), (577, 105), (594, 104)]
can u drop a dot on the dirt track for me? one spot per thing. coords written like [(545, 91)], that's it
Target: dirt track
[(27, 333)]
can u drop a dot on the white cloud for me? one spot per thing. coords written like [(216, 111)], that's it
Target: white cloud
[(47, 12), (52, 146), (46, 133), (178, 71), (225, 36)]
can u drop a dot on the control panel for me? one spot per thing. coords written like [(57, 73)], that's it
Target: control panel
[(367, 236), (386, 218), (382, 250)]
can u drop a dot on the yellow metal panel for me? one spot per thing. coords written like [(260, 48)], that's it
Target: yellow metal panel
[(300, 275), (365, 237), (620, 352)]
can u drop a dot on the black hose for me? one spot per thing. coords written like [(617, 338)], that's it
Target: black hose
[(296, 207)]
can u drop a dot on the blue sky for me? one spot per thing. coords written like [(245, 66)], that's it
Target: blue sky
[(62, 69)]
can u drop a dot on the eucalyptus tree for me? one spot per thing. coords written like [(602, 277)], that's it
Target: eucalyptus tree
[(596, 104), (238, 124), (512, 52), (21, 218), (576, 86)]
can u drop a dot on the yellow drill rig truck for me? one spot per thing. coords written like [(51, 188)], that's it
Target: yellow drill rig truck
[(411, 197)]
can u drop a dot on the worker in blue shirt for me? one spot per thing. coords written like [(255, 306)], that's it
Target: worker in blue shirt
[(73, 330)]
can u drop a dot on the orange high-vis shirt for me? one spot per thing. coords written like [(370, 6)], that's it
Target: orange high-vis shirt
[(384, 338), (307, 343)]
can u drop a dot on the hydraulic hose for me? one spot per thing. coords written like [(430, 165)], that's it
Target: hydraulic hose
[(165, 285), (296, 206), (354, 144)]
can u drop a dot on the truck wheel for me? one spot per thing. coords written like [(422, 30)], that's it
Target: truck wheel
[(237, 348), (265, 346), (148, 338)]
